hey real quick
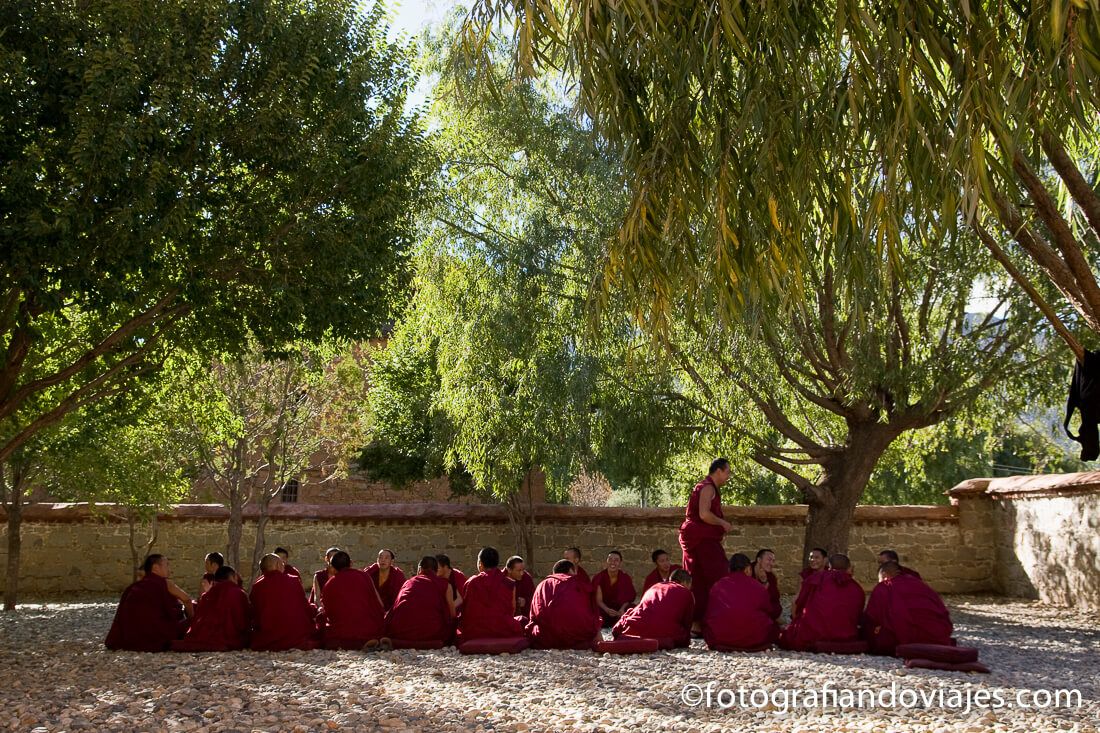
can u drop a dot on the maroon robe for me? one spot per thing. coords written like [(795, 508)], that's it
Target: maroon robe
[(457, 580), (387, 591), (909, 571), (831, 611), (282, 618), (655, 577), (905, 610), (148, 619), (319, 579), (353, 614), (583, 575), (665, 612), (291, 570), (420, 612), (614, 595), (776, 604), (525, 591), (222, 623), (739, 615), (704, 556), (563, 614), (487, 608)]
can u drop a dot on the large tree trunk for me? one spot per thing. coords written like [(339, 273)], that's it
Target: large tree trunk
[(236, 527), (15, 544), (521, 517), (841, 486)]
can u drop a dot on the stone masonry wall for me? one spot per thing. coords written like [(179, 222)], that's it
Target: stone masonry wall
[(67, 552)]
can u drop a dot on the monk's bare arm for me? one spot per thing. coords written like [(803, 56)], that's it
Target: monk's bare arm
[(600, 604), (451, 604), (183, 598), (706, 496)]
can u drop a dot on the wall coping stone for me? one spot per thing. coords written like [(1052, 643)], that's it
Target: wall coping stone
[(491, 513), (1029, 487)]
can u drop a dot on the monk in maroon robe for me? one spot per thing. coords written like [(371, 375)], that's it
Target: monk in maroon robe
[(210, 565), (424, 608), (489, 611), (151, 611), (287, 567), (614, 589), (891, 556), (832, 605), (387, 577), (662, 570), (762, 571), (701, 535), (563, 611), (454, 577), (573, 555), (739, 611), (223, 617), (817, 560), (516, 571), (282, 618), (666, 613), (353, 617), (321, 577), (903, 609)]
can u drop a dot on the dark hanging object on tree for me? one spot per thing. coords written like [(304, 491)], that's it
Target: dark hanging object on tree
[(1084, 395)]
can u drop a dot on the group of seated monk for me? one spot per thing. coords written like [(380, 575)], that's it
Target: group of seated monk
[(378, 608)]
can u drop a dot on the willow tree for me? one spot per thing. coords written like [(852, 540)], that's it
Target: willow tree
[(726, 111)]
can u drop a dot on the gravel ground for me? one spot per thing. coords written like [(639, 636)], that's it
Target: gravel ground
[(55, 675)]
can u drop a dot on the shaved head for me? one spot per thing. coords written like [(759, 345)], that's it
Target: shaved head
[(270, 563)]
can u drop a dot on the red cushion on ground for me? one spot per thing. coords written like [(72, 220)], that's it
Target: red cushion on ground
[(856, 646), (506, 645), (937, 653), (417, 644), (628, 645), (957, 667)]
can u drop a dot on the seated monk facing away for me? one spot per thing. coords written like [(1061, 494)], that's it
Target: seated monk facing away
[(424, 608), (223, 617), (516, 570), (488, 611), (150, 613), (454, 577), (762, 571), (321, 577), (614, 589), (282, 618), (666, 613), (352, 615), (289, 569), (831, 607), (662, 570), (387, 577), (563, 612), (573, 555), (891, 556), (902, 609), (739, 611)]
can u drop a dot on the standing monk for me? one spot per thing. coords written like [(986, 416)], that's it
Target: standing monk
[(321, 577), (563, 613), (282, 618), (454, 577), (424, 608), (701, 536), (665, 613), (353, 617), (387, 577), (516, 570), (662, 570), (150, 615), (223, 617), (614, 589), (762, 571), (489, 611)]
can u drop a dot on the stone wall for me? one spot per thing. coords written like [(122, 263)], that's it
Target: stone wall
[(1046, 533), (68, 551)]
